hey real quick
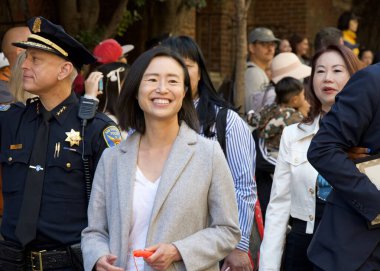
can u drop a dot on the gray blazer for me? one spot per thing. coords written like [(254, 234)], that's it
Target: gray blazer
[(195, 206)]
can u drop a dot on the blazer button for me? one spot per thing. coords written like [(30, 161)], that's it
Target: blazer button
[(10, 159), (311, 217), (68, 165), (311, 190)]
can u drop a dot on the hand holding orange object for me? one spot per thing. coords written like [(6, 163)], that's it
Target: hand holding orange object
[(142, 253), (164, 255)]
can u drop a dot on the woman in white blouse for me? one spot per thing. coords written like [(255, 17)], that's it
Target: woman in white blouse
[(295, 198)]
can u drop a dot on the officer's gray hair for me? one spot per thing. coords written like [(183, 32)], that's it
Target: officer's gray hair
[(73, 75)]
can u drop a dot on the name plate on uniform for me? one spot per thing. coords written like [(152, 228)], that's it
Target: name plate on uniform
[(370, 166)]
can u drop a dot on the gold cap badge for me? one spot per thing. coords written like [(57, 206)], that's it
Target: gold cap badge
[(37, 25), (73, 137)]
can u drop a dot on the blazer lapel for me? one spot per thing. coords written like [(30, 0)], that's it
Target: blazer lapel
[(181, 153)]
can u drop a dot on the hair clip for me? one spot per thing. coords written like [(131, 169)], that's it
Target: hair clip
[(114, 76)]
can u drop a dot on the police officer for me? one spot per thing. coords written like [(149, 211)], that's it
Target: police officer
[(43, 148)]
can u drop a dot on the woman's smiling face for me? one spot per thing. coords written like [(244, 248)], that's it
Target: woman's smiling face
[(162, 89)]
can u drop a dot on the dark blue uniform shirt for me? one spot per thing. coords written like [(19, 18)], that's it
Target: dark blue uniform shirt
[(63, 211)]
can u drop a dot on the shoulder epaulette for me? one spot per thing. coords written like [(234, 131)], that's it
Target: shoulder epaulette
[(103, 117)]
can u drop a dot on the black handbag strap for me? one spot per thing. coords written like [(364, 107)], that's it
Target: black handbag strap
[(221, 125)]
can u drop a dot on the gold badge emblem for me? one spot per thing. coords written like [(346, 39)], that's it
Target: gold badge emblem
[(73, 137), (37, 25)]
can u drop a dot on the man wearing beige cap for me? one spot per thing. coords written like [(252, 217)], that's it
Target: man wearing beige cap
[(262, 44)]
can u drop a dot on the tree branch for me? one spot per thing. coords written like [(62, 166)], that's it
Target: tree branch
[(116, 19)]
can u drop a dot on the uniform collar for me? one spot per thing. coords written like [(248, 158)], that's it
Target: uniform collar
[(60, 112)]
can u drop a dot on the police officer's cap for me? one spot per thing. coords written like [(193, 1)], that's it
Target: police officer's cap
[(53, 38)]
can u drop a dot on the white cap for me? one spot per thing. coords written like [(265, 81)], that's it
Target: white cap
[(3, 61), (127, 48)]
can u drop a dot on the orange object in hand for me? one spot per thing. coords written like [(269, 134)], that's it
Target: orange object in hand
[(142, 253)]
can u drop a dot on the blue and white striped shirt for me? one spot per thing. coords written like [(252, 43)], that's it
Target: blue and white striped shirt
[(241, 158)]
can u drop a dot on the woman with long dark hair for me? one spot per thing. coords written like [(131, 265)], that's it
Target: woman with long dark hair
[(165, 189), (300, 46), (239, 145)]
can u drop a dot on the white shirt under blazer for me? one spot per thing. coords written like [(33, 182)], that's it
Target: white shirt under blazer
[(293, 192)]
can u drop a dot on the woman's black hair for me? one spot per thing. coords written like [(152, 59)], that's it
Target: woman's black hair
[(208, 96), (286, 88), (345, 18), (114, 75), (129, 113), (362, 51), (294, 40)]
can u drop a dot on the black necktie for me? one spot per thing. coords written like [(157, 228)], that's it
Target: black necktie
[(29, 212)]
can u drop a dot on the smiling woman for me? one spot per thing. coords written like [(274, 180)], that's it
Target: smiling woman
[(174, 186)]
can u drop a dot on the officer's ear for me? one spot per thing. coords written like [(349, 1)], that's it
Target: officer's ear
[(65, 70)]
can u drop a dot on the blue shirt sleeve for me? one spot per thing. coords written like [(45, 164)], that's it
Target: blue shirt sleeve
[(241, 158)]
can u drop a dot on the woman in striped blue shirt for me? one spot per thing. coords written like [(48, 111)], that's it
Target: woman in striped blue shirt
[(240, 147)]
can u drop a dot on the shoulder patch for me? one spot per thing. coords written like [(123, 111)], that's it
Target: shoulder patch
[(112, 136), (5, 107)]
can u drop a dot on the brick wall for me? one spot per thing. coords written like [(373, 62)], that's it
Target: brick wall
[(324, 13), (283, 17), (215, 25), (188, 26)]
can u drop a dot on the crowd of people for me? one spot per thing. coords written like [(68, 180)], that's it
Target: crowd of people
[(144, 166)]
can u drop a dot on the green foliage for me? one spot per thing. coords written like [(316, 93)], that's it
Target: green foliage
[(90, 38), (129, 17), (139, 3)]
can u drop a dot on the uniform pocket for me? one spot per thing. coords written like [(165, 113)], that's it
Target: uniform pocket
[(15, 156), (13, 162), (68, 160), (65, 179), (296, 157)]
